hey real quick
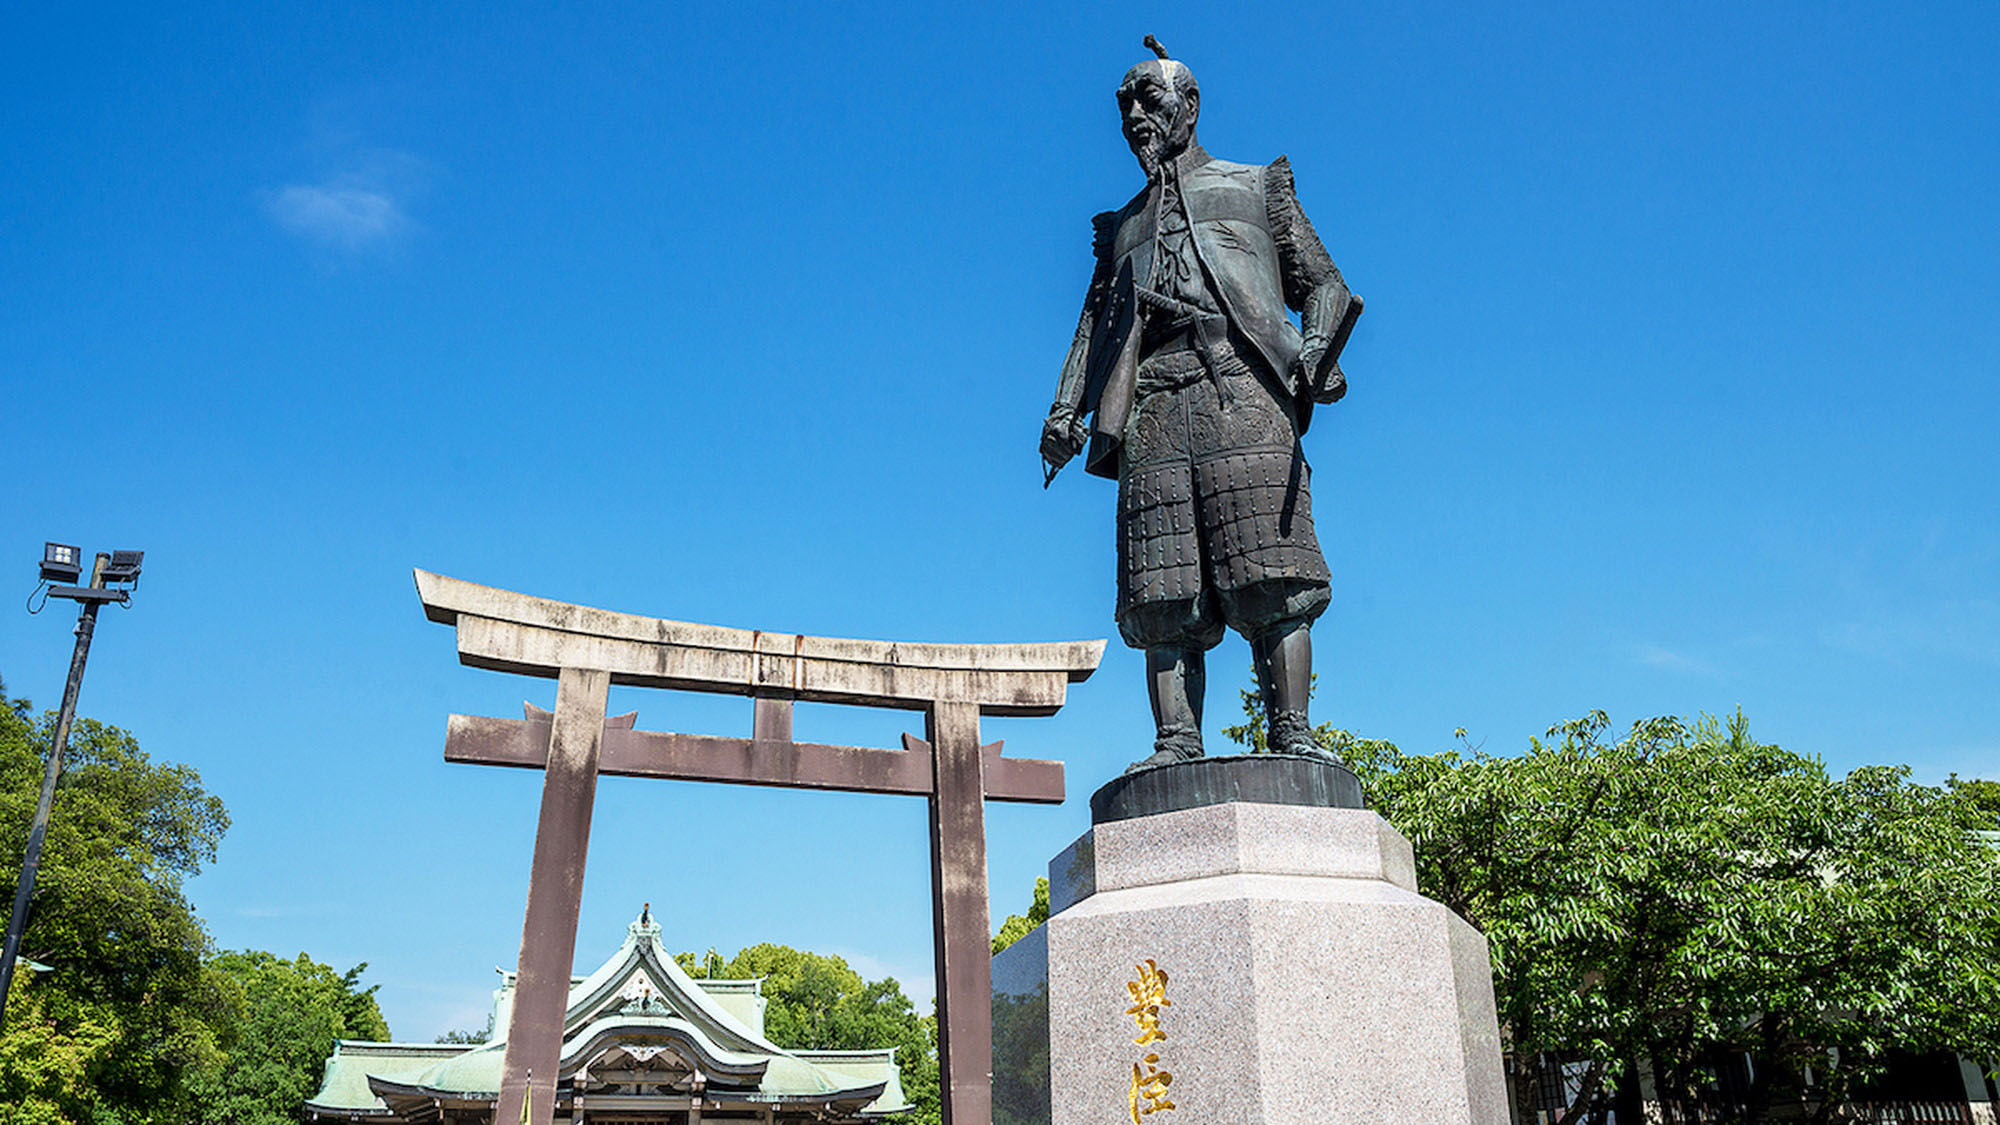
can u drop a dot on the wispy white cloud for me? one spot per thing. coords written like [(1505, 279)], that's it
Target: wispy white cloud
[(1659, 656), (365, 205), (344, 216)]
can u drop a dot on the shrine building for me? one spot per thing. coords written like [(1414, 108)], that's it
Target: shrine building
[(643, 1044)]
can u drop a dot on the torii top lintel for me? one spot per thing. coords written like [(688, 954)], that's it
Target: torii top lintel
[(506, 631)]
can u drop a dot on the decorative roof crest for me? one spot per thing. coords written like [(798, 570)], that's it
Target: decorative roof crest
[(645, 926)]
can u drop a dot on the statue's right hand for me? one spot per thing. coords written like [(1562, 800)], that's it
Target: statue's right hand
[(1062, 438)]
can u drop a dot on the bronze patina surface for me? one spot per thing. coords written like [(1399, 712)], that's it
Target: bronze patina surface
[(1190, 384)]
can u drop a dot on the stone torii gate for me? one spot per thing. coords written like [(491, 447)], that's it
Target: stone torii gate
[(586, 650)]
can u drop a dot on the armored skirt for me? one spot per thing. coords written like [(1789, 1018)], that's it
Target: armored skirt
[(1214, 509)]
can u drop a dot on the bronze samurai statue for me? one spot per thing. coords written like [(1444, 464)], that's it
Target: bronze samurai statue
[(1189, 384)]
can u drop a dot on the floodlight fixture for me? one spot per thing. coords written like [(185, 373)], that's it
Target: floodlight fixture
[(62, 563), (123, 567)]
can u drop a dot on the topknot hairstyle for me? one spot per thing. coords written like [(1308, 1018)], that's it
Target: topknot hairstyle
[(1173, 70)]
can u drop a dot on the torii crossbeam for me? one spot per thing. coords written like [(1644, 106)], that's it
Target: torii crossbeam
[(587, 650)]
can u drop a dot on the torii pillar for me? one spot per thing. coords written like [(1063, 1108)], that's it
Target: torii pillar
[(587, 650)]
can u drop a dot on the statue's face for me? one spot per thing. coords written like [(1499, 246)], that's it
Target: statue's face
[(1158, 120)]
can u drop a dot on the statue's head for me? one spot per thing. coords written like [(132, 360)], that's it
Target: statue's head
[(1159, 102)]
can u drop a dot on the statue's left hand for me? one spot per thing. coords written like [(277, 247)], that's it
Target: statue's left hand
[(1305, 369), (1315, 375), (1060, 437)]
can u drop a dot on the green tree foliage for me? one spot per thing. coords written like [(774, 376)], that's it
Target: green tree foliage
[(128, 1016), (816, 1002), (285, 1016), (138, 1022), (45, 1066), (1686, 890), (1017, 926), (1978, 802)]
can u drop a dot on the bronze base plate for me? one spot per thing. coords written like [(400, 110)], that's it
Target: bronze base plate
[(1271, 779)]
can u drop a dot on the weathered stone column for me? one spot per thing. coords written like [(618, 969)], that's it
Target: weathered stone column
[(959, 914), (555, 889)]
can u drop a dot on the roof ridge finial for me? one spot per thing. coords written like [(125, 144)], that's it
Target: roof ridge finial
[(643, 928), (1153, 44)]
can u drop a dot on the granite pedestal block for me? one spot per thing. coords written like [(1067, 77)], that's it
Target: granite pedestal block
[(1301, 978)]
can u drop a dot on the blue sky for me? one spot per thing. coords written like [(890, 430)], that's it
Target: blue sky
[(1677, 392)]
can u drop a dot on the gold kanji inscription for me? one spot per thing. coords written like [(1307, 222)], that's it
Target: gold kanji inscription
[(1149, 995), (1148, 1093)]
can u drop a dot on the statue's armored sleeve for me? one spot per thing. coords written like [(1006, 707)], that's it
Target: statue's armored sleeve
[(1302, 261), (1313, 284), (1069, 388)]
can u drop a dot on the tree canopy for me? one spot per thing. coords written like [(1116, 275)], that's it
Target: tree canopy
[(1978, 802), (138, 1020), (817, 1002), (128, 1013), (286, 1015), (1685, 890)]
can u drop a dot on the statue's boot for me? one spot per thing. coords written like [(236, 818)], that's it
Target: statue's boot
[(1176, 679), (1284, 677)]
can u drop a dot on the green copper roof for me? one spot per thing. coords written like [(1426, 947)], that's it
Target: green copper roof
[(743, 999), (344, 1089), (639, 998)]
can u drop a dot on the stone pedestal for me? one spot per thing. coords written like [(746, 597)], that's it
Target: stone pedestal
[(1305, 980)]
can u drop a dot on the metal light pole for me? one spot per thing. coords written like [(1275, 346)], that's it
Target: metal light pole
[(59, 562)]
